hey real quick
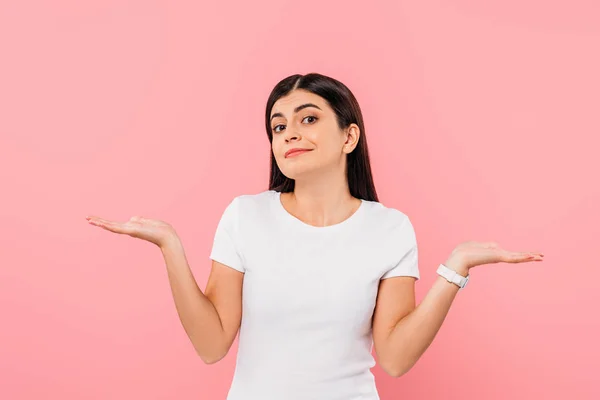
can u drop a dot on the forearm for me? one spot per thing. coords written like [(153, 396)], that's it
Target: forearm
[(414, 333), (197, 313)]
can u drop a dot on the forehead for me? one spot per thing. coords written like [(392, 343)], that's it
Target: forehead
[(287, 103)]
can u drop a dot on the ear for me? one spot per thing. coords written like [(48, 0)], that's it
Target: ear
[(352, 136)]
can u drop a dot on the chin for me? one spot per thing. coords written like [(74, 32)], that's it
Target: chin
[(297, 171)]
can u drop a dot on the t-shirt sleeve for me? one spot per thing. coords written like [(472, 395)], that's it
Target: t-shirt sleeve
[(225, 247), (405, 248)]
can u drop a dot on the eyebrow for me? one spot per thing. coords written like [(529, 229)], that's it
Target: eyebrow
[(300, 107)]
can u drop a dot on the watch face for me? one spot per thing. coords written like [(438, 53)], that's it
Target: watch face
[(467, 281)]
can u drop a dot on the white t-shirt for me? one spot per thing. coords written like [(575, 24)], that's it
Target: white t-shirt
[(308, 296)]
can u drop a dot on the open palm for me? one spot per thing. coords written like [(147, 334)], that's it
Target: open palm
[(151, 230), (473, 253)]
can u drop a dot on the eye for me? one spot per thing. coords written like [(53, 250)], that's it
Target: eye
[(308, 116)]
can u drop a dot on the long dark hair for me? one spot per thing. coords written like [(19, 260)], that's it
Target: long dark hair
[(347, 111)]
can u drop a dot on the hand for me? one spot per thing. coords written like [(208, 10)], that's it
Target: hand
[(470, 254), (151, 230)]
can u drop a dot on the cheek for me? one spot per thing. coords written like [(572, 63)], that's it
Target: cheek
[(274, 145), (277, 150), (329, 145)]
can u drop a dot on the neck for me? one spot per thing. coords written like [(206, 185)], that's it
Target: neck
[(323, 200)]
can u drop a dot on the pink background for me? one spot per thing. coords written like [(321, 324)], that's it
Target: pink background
[(482, 123)]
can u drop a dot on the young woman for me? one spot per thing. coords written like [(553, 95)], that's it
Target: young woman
[(314, 271)]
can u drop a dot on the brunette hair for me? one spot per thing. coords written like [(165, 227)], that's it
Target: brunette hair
[(347, 111)]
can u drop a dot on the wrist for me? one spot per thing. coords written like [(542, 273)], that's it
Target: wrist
[(170, 241), (457, 266)]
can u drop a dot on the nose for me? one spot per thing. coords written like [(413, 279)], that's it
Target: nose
[(289, 135)]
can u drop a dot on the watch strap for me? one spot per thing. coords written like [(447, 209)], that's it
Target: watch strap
[(452, 276)]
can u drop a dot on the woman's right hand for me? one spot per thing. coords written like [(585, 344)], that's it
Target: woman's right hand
[(151, 230)]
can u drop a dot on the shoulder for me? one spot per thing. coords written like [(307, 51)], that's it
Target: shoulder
[(249, 204), (254, 199), (387, 217)]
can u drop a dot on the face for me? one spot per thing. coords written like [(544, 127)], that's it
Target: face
[(304, 120)]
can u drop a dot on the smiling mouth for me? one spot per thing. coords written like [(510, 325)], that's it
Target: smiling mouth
[(295, 153)]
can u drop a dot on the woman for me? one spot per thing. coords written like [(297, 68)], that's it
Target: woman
[(319, 269)]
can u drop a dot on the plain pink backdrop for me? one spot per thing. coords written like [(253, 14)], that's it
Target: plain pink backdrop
[(482, 121)]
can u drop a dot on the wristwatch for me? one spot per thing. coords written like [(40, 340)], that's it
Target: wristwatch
[(452, 276)]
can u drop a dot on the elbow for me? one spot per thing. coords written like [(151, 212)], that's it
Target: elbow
[(209, 359), (210, 353), (396, 371)]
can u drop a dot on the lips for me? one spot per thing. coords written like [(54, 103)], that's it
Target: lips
[(293, 151)]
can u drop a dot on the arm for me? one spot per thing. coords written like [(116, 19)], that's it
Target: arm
[(211, 321), (414, 332)]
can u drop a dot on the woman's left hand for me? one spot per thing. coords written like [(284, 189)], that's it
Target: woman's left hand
[(470, 254)]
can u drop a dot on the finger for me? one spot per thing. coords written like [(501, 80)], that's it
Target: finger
[(536, 256), (99, 222), (98, 219), (515, 257), (113, 226), (117, 227), (529, 256)]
